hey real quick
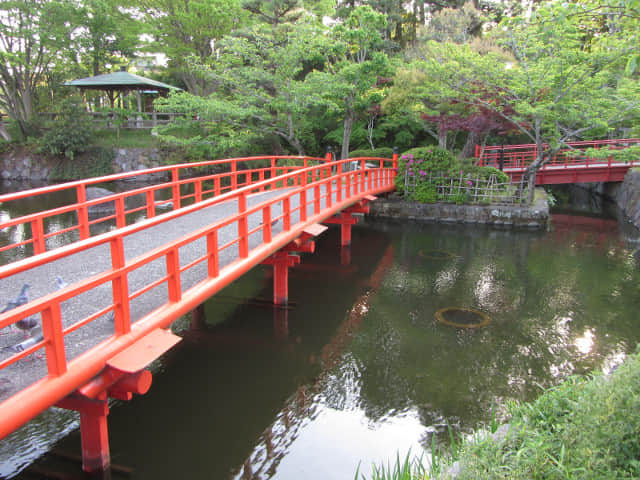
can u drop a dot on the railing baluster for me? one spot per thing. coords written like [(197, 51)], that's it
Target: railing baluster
[(173, 275), (213, 266), (83, 212), (286, 210), (198, 190), (37, 236), (243, 230), (121, 220), (266, 224), (303, 203), (316, 199), (151, 204), (54, 340), (234, 174), (175, 187), (120, 288)]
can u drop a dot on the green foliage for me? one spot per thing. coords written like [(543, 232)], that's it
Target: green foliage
[(405, 469), (69, 134), (586, 428), (33, 33), (125, 138), (616, 155), (95, 162), (383, 152), (425, 193)]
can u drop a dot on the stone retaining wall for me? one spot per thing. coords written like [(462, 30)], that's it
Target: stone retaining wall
[(628, 198), (19, 165), (503, 216)]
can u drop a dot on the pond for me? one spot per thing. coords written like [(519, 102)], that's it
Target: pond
[(359, 368)]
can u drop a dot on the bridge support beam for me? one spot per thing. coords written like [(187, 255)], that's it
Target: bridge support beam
[(282, 260), (123, 376), (346, 219)]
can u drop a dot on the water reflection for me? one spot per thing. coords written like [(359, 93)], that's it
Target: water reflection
[(358, 367)]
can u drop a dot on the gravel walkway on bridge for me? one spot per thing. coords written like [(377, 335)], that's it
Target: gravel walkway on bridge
[(82, 265)]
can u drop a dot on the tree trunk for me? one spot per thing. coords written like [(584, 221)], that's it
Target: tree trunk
[(4, 133), (469, 146), (442, 138), (349, 119)]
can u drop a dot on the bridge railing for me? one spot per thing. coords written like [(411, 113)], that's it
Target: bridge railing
[(312, 194), (521, 156), (81, 216)]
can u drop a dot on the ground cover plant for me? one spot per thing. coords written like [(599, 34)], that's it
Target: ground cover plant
[(585, 428)]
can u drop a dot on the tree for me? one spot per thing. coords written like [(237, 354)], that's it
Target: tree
[(33, 35), (187, 31), (107, 33), (274, 12), (261, 76), (353, 68), (567, 80)]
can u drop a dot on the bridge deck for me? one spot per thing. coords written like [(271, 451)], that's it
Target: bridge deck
[(125, 284)]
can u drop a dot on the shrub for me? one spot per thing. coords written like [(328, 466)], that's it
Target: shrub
[(425, 193), (421, 161), (69, 134), (383, 152)]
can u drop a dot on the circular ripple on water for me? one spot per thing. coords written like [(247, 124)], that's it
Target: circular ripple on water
[(462, 317)]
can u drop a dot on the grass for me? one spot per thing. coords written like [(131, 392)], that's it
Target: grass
[(126, 138), (585, 428)]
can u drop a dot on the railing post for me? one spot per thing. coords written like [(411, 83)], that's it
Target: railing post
[(316, 199), (175, 187), (329, 155), (120, 288), (394, 158), (37, 236), (173, 275), (83, 212), (286, 213), (54, 340), (303, 203), (266, 224), (121, 220), (213, 267), (151, 204), (234, 174), (339, 182), (273, 167), (243, 229), (198, 191)]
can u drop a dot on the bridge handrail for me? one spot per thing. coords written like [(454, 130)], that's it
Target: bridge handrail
[(64, 376), (233, 177), (520, 156)]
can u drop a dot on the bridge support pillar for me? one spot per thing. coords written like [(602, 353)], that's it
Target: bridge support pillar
[(94, 432), (346, 219), (282, 260)]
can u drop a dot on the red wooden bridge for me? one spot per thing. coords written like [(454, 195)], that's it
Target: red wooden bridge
[(565, 166), (107, 276)]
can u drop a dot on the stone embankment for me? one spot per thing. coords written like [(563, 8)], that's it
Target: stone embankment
[(19, 165), (535, 216), (628, 197)]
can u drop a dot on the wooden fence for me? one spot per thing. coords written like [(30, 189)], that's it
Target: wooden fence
[(471, 189)]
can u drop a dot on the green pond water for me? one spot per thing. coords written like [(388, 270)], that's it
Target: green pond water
[(359, 367)]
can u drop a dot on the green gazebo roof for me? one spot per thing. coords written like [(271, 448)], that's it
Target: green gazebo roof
[(120, 81)]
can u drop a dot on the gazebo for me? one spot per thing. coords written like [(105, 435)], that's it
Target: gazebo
[(123, 82)]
